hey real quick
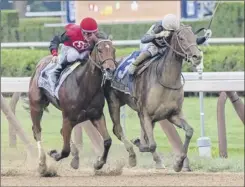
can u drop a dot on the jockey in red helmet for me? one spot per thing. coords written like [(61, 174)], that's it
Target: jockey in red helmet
[(78, 42), (89, 27)]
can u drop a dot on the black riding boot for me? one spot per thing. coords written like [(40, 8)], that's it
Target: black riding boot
[(55, 73), (143, 55)]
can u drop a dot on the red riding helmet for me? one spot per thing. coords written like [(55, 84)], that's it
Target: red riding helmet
[(89, 25)]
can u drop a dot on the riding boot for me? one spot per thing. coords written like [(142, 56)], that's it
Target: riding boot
[(55, 73), (144, 55)]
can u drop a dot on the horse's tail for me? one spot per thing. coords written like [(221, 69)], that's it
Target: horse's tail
[(26, 105), (25, 99)]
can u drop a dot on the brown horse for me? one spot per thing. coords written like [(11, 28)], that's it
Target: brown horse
[(157, 93), (81, 98)]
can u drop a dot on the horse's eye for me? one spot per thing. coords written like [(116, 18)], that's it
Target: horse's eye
[(99, 49)]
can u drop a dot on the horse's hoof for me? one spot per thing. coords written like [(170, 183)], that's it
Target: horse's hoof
[(179, 162), (152, 148), (144, 148), (42, 169), (99, 164), (186, 169), (52, 152), (75, 163), (160, 165), (55, 155), (186, 166), (136, 142), (132, 161)]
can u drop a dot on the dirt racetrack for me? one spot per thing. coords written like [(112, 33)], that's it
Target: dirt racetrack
[(128, 177), (17, 170)]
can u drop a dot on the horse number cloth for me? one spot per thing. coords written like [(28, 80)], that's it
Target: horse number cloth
[(122, 81), (43, 81)]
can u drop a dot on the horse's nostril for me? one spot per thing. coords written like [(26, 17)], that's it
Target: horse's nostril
[(194, 56)]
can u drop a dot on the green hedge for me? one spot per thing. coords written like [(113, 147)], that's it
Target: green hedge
[(9, 18), (32, 29), (228, 22), (22, 62), (32, 22)]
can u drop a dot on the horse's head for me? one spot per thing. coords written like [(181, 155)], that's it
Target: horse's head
[(184, 42), (103, 55)]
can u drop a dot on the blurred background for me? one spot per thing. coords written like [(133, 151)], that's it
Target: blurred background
[(39, 20)]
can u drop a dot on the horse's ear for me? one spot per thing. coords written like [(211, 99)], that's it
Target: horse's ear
[(110, 37)]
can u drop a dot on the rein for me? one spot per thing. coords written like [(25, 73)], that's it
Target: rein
[(183, 51), (98, 65), (182, 54), (162, 84)]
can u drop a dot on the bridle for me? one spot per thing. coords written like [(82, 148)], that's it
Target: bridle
[(106, 74), (100, 64), (182, 53)]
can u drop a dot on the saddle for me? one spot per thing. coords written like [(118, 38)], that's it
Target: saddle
[(122, 80), (43, 81)]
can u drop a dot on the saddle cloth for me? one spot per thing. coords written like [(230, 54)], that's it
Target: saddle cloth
[(43, 81), (122, 80)]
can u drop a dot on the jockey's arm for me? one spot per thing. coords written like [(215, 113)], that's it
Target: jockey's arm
[(203, 39), (147, 38), (152, 33), (55, 42)]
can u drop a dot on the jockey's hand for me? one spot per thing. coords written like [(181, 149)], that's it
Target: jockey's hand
[(161, 51), (162, 34), (131, 69), (208, 33), (54, 59)]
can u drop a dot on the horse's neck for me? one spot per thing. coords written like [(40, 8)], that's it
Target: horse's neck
[(87, 69), (170, 69)]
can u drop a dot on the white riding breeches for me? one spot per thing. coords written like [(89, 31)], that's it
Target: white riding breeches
[(151, 47), (71, 54)]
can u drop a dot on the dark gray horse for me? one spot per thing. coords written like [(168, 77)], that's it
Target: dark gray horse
[(81, 98), (158, 92)]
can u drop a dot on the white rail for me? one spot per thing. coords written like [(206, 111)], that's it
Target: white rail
[(211, 82), (116, 43)]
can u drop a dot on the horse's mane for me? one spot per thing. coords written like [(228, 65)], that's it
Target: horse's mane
[(182, 25), (102, 35)]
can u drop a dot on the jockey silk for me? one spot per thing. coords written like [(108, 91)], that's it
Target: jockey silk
[(76, 38)]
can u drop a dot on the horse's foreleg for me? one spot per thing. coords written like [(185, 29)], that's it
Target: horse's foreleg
[(144, 146), (75, 153), (114, 110), (100, 125), (36, 115), (174, 140), (179, 121), (142, 143), (66, 133), (149, 130)]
